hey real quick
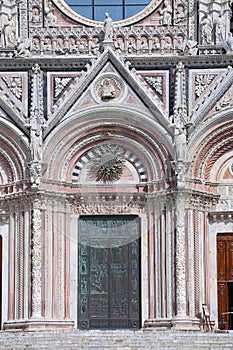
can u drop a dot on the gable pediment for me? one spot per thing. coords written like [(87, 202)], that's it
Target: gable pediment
[(109, 81)]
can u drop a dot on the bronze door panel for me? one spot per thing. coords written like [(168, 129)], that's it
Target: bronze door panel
[(109, 272)]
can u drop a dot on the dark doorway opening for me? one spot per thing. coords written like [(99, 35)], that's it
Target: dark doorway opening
[(109, 272)]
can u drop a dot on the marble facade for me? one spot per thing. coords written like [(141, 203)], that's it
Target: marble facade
[(152, 95)]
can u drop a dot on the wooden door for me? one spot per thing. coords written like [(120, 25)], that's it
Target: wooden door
[(109, 283), (225, 280)]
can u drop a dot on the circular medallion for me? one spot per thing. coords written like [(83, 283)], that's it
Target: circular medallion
[(109, 88)]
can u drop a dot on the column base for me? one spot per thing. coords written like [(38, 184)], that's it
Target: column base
[(186, 323), (159, 323), (177, 323), (41, 323)]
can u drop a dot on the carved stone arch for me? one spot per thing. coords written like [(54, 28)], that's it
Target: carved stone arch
[(222, 169), (213, 144), (14, 152), (68, 142)]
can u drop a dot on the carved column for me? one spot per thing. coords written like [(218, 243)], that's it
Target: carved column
[(36, 262), (182, 319), (180, 256)]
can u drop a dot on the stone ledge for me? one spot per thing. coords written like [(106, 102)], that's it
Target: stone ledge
[(35, 324)]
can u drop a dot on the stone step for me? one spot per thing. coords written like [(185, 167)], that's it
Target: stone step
[(117, 340)]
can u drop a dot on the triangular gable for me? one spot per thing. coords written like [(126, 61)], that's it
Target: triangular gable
[(13, 96), (131, 78), (211, 98)]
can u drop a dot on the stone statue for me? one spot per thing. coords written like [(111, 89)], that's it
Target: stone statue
[(191, 46), (218, 32), (36, 136), (108, 90), (8, 32), (24, 48), (180, 144), (35, 171), (228, 44), (166, 14), (206, 31), (108, 28), (51, 19)]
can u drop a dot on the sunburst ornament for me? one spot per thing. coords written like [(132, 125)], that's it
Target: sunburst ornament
[(107, 166)]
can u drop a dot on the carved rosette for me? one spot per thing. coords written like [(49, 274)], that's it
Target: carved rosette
[(36, 263)]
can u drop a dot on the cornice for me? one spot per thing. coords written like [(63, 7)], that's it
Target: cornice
[(140, 62)]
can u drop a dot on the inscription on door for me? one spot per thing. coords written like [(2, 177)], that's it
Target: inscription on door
[(108, 268)]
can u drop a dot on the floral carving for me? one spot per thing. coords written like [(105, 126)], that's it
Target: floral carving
[(60, 84), (156, 83), (15, 85), (202, 81)]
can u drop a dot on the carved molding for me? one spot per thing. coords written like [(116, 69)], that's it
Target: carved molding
[(109, 204)]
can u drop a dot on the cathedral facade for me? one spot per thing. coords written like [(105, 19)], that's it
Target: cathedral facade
[(116, 164)]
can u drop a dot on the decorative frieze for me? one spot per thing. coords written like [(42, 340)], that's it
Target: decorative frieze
[(109, 204)]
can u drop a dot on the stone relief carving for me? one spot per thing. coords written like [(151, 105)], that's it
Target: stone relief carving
[(166, 14), (60, 84), (107, 165), (156, 83), (166, 36), (108, 87), (214, 19), (228, 44), (202, 81), (226, 102), (109, 204), (15, 85), (206, 30), (23, 48), (50, 18)]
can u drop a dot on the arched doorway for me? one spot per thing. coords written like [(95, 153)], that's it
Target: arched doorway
[(109, 272), (225, 280)]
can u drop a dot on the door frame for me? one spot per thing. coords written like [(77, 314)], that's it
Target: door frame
[(131, 321), (144, 274)]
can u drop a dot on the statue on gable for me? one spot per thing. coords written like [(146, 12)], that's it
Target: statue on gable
[(108, 28)]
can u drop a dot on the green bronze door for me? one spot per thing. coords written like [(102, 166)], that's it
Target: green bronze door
[(108, 277)]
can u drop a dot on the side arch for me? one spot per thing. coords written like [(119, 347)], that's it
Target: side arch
[(207, 146), (14, 153)]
